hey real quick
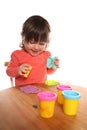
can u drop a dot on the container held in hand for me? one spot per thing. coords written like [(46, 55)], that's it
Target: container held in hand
[(50, 62), (28, 72)]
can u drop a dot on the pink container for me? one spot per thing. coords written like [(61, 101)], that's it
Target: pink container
[(46, 103), (60, 89)]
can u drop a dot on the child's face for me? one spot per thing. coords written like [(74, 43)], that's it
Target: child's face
[(35, 48)]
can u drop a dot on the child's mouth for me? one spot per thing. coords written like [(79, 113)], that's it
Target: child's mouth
[(34, 52)]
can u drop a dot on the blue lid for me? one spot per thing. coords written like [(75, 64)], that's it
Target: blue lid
[(71, 94)]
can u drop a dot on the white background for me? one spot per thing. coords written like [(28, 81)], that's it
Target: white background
[(68, 20)]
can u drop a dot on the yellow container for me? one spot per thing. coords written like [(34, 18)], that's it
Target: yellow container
[(60, 89), (46, 103), (71, 99)]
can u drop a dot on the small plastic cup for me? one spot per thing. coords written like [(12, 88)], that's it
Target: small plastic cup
[(46, 103), (71, 99), (60, 89)]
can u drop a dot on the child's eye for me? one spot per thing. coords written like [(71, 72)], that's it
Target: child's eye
[(32, 42), (41, 43)]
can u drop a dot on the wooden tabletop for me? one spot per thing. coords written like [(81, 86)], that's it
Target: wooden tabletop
[(19, 111)]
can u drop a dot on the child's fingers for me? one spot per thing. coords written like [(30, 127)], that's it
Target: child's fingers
[(56, 62)]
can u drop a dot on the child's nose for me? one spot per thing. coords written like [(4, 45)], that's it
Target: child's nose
[(36, 46)]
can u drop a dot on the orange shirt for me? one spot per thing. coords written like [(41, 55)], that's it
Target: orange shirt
[(39, 70)]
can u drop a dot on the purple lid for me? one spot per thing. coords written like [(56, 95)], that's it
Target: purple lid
[(64, 87)]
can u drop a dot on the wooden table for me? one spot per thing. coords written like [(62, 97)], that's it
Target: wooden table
[(19, 111)]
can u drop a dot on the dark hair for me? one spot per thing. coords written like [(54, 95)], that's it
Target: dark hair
[(37, 28)]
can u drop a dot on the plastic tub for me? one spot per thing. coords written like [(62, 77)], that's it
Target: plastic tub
[(60, 89), (71, 99), (46, 103)]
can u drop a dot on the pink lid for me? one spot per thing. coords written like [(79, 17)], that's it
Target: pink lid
[(47, 96), (64, 87)]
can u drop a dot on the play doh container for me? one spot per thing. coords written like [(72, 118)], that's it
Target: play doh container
[(46, 103), (71, 99), (60, 89)]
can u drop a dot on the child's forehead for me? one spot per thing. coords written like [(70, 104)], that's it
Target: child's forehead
[(39, 41), (36, 38)]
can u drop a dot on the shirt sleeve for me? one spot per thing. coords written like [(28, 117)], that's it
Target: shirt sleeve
[(12, 69), (50, 71)]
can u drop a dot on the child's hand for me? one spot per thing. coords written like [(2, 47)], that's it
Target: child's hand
[(56, 62), (23, 69)]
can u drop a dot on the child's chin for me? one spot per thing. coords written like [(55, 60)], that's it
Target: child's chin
[(32, 54), (35, 54)]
